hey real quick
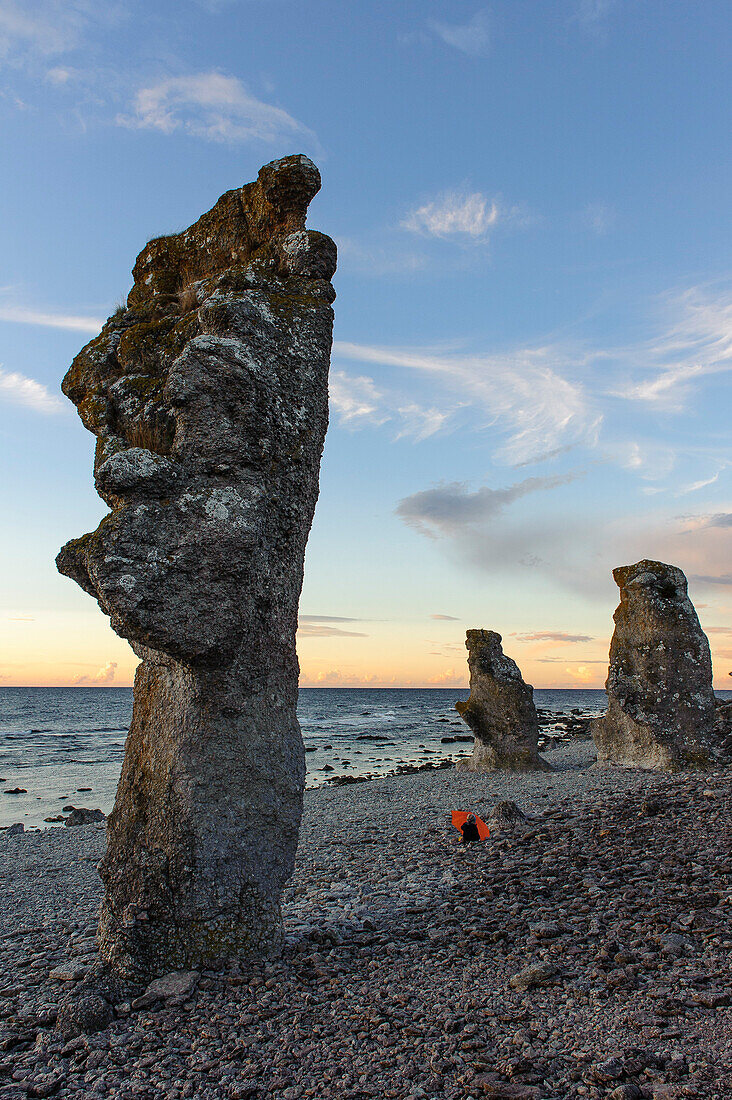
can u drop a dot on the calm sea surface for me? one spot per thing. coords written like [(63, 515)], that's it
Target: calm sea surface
[(56, 741)]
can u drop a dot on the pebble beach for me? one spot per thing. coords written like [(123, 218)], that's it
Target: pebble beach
[(584, 954)]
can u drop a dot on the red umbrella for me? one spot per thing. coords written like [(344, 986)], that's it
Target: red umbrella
[(459, 817)]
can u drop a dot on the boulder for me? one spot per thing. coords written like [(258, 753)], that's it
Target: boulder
[(81, 816), (500, 710), (208, 395), (83, 1015), (662, 713)]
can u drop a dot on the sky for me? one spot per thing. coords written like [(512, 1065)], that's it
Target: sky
[(531, 370)]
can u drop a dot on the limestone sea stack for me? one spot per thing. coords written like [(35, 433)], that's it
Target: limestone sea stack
[(661, 708), (208, 395), (500, 710)]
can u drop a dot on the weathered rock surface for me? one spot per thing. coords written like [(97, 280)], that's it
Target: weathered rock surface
[(661, 708), (500, 710), (208, 396)]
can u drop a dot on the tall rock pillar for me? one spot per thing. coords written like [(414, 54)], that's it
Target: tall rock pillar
[(208, 394), (661, 708), (500, 710)]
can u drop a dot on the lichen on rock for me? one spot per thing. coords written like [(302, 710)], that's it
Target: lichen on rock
[(500, 710), (662, 712), (208, 395)]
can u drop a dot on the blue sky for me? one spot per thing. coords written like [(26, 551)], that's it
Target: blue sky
[(530, 378)]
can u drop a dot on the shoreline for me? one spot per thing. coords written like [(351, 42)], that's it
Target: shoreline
[(402, 946)]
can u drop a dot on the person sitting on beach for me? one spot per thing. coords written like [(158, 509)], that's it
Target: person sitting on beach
[(470, 830)]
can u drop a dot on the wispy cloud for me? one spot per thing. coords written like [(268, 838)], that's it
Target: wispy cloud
[(43, 27), (598, 217), (540, 411), (454, 214), (471, 38), (558, 636), (328, 619), (19, 390), (211, 106), (697, 343), (358, 403), (591, 14), (450, 508), (356, 400), (445, 618), (24, 316), (321, 630)]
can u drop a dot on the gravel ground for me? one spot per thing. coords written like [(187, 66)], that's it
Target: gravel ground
[(585, 955)]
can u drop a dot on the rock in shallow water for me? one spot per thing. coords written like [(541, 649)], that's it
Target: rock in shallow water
[(208, 396)]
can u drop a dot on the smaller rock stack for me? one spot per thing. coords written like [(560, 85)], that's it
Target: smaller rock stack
[(500, 710), (662, 712)]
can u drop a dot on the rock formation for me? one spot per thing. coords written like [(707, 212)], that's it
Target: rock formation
[(208, 394), (500, 710), (661, 708)]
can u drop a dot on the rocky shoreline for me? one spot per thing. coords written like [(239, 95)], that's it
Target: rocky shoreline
[(585, 955)]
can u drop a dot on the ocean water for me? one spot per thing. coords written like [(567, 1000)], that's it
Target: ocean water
[(64, 746)]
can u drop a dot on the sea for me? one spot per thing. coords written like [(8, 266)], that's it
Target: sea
[(63, 747)]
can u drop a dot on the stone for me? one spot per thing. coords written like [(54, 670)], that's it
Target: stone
[(83, 1015), (500, 710), (661, 711), (81, 816), (532, 976), (505, 817), (15, 829), (69, 972), (173, 988), (208, 395)]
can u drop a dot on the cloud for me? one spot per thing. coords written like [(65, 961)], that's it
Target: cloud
[(449, 678), (710, 578), (721, 519), (445, 618), (320, 630), (211, 106), (328, 619), (542, 412), (592, 13), (23, 316), (358, 403), (598, 217), (356, 400), (697, 343), (19, 390), (102, 676), (552, 636), (717, 629), (44, 28), (454, 214), (450, 508), (471, 38)]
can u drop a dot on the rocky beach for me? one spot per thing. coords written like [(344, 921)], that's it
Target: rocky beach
[(583, 953)]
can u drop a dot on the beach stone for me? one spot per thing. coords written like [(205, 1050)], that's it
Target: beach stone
[(535, 975), (505, 817), (83, 1015), (208, 395), (500, 710), (661, 708), (81, 816), (15, 829), (173, 988)]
